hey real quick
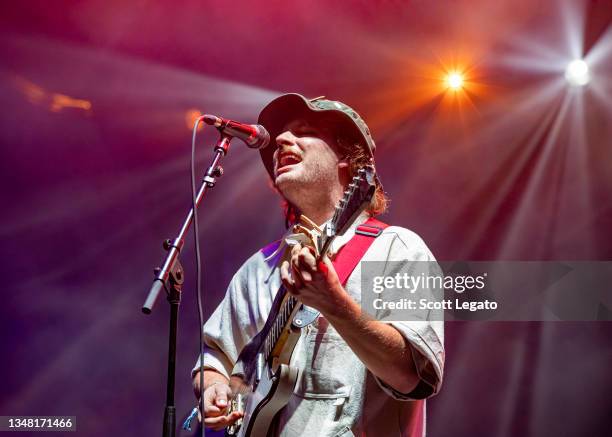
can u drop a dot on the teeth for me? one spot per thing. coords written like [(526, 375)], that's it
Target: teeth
[(288, 160)]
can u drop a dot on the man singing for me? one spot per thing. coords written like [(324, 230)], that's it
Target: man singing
[(359, 376)]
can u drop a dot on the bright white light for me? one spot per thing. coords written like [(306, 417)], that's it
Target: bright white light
[(577, 73), (454, 81)]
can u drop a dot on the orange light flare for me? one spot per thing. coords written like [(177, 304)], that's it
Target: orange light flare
[(453, 84), (461, 86), (61, 101), (190, 118), (454, 81), (457, 80), (55, 102)]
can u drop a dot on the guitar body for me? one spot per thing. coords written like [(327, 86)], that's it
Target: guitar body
[(270, 396), (263, 387)]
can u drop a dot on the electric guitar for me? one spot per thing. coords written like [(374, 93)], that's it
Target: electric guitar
[(262, 380)]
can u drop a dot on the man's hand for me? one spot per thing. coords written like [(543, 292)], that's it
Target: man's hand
[(315, 284), (216, 402)]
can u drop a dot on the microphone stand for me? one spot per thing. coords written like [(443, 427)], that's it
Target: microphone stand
[(171, 276)]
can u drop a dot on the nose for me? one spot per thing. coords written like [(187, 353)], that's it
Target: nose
[(286, 138), (284, 141)]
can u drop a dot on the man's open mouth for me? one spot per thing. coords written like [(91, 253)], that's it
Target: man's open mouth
[(286, 160)]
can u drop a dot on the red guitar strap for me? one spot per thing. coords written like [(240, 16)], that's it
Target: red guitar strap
[(351, 253)]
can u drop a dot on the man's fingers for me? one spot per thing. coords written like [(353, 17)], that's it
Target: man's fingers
[(303, 266), (307, 260), (296, 273), (210, 409), (216, 400), (295, 270), (287, 279), (221, 401), (218, 423), (295, 249), (285, 274), (222, 394), (300, 271)]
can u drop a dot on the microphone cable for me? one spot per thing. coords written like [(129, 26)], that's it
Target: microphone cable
[(198, 272)]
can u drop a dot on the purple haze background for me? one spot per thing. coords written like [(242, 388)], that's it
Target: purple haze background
[(95, 153)]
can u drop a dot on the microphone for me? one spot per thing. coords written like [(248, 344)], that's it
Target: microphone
[(254, 135)]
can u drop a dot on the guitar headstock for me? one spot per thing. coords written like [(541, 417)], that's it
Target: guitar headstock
[(355, 199)]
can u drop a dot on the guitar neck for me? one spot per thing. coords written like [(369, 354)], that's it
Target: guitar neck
[(279, 322)]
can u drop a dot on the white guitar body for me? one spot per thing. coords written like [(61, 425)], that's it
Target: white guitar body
[(270, 396)]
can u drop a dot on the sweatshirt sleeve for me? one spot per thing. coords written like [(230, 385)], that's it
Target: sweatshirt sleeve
[(230, 326)]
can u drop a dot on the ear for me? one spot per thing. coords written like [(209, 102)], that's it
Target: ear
[(343, 163)]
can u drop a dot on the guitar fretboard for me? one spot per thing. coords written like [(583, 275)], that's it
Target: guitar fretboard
[(284, 313)]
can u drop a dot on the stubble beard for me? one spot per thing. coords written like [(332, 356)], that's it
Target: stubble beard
[(308, 187)]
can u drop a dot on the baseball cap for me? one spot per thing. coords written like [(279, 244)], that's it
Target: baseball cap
[(288, 107)]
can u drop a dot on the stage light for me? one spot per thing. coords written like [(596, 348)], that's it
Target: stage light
[(454, 81), (577, 73), (190, 118)]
